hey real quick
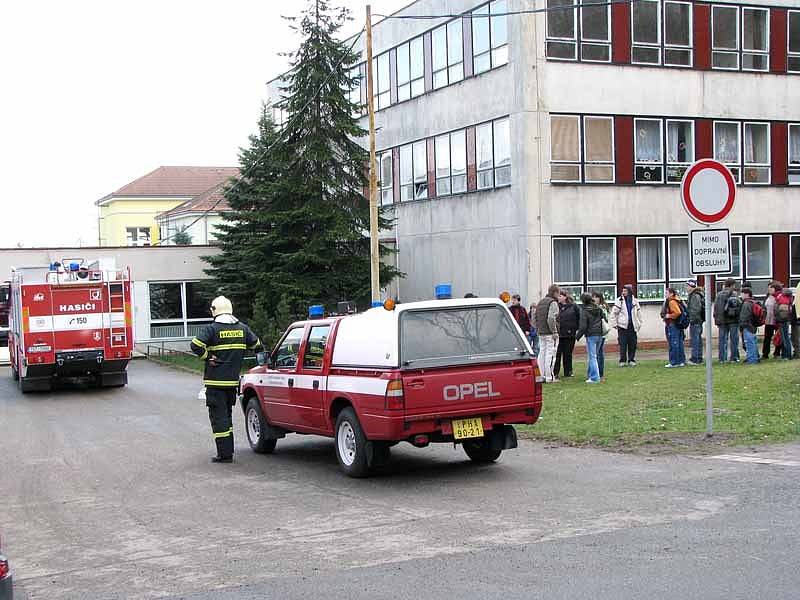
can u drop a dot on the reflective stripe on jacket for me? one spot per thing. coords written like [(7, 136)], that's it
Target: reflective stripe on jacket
[(223, 345)]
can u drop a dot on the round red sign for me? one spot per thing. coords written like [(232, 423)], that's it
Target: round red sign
[(708, 191)]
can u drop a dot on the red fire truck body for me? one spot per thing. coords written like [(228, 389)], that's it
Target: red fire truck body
[(70, 323)]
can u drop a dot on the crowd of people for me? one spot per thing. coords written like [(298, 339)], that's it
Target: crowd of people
[(558, 321)]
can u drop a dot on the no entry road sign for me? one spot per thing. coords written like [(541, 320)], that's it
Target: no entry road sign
[(708, 191)]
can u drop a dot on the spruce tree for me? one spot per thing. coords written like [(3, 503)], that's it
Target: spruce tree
[(298, 233)]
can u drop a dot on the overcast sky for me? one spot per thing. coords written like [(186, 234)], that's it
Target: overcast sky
[(97, 93)]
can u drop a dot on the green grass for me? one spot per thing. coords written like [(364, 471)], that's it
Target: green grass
[(651, 404)]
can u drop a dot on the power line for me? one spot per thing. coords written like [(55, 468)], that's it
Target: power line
[(530, 11), (266, 150)]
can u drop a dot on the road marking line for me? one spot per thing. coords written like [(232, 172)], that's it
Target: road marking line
[(756, 460)]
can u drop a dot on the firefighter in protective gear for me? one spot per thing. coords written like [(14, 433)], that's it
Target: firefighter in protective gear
[(222, 346)]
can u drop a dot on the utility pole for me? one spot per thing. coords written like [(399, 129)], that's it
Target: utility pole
[(374, 252)]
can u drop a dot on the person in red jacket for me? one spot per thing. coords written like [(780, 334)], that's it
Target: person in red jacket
[(520, 314)]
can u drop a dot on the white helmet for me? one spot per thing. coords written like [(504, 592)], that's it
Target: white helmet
[(221, 306)]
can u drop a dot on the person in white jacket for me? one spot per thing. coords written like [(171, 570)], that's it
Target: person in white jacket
[(626, 318)]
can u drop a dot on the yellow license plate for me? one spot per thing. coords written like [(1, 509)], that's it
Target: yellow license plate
[(467, 428)]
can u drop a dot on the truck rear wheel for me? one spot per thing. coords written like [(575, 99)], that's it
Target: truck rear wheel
[(256, 425), (351, 444), (480, 451)]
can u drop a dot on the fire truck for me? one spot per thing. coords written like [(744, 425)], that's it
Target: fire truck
[(70, 319), (4, 302)]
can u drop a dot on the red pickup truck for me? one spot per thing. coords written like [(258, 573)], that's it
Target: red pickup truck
[(458, 371)]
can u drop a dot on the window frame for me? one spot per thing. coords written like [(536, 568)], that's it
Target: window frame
[(382, 187), (674, 280), (574, 40), (649, 164), (414, 182), (137, 230), (307, 344), (765, 53), (492, 50), (665, 47), (585, 285), (578, 162), (379, 95), (792, 170), (289, 332), (662, 282), (746, 262), (412, 81), (794, 277), (659, 44), (789, 53), (682, 166), (579, 39), (450, 153), (448, 66), (594, 42), (184, 319), (767, 165), (737, 166), (582, 254), (597, 163)]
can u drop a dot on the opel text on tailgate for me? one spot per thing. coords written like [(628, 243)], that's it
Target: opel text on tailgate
[(457, 371)]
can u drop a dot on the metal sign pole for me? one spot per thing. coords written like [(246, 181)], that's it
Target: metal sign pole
[(709, 362)]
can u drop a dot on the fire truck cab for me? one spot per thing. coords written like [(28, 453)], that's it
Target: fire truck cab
[(70, 319)]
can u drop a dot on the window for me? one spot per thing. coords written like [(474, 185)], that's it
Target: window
[(565, 148), (600, 260), (410, 70), (758, 262), (448, 54), (315, 346), (755, 39), (380, 71), (493, 145), (568, 264), (385, 183), (138, 236), (646, 32), (598, 149), (794, 41), (679, 267), (358, 92), (648, 150), (756, 153), (794, 153), (489, 36), (561, 30), (601, 266), (794, 260), (680, 148), (451, 163), (285, 356), (595, 33), (650, 267), (736, 264), (725, 37), (414, 171), (726, 145), (740, 44), (178, 309), (678, 34)]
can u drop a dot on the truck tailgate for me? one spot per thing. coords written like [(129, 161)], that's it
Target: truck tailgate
[(473, 389)]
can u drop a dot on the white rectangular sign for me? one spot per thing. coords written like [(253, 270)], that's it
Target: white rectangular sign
[(710, 251)]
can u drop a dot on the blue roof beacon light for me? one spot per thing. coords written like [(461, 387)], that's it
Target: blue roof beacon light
[(376, 304), (74, 267), (316, 311), (444, 291)]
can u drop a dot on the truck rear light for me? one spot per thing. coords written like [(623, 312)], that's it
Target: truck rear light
[(4, 569), (420, 441), (395, 400), (537, 374)]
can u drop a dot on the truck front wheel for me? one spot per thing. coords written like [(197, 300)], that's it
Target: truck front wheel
[(351, 444), (480, 451), (256, 425)]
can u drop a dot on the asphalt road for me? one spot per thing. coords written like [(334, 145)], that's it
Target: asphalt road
[(109, 494)]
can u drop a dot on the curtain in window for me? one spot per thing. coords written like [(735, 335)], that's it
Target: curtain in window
[(597, 135), (794, 143), (567, 261), (726, 142), (648, 140), (650, 260), (600, 260), (756, 143), (680, 145), (564, 142), (754, 33), (679, 259)]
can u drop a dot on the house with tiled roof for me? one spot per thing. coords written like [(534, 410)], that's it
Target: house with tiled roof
[(130, 215), (196, 218)]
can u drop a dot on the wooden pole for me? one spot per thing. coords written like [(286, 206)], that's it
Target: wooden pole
[(374, 251)]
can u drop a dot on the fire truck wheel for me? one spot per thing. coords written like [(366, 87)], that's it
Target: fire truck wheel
[(255, 425), (351, 444), (479, 451)]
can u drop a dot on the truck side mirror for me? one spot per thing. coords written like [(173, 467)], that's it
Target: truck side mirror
[(262, 358)]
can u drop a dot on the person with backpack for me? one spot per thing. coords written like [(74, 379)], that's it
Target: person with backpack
[(751, 317), (626, 318), (696, 307), (726, 317), (783, 317), (676, 320), (598, 299), (569, 316), (795, 324)]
